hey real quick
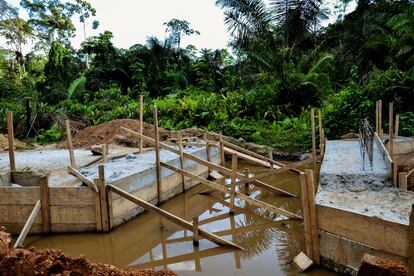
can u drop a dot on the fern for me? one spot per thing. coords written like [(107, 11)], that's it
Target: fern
[(76, 85)]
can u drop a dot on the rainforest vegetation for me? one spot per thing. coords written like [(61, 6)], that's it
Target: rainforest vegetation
[(282, 61)]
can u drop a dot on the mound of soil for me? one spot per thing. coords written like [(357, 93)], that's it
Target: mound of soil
[(4, 144), (110, 132), (54, 262)]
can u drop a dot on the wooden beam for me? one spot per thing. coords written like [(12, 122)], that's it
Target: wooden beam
[(173, 218), (104, 152), (10, 134), (306, 215), (141, 120), (82, 178), (70, 145), (91, 162), (376, 117), (222, 155), (397, 125), (411, 244), (313, 218), (180, 147), (233, 182), (213, 166), (28, 225), (313, 138), (157, 153), (391, 130), (381, 133), (195, 230), (98, 214), (103, 199), (320, 130), (208, 154), (246, 184), (251, 159), (45, 204), (222, 189)]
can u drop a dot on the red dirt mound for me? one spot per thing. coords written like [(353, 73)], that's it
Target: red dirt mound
[(110, 132), (29, 262)]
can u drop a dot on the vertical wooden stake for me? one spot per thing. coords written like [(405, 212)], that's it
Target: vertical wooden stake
[(223, 158), (205, 136), (271, 158), (320, 130), (180, 146), (397, 125), (45, 202), (195, 230), (103, 198), (157, 154), (313, 217), (10, 133), (98, 214), (313, 138), (391, 130), (141, 120), (376, 117), (247, 184), (233, 182), (208, 155), (411, 244), (323, 142), (104, 152), (381, 133), (402, 181), (306, 215), (70, 145)]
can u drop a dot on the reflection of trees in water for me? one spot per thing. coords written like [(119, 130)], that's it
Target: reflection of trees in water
[(255, 242)]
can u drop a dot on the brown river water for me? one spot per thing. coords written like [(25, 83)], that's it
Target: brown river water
[(150, 241)]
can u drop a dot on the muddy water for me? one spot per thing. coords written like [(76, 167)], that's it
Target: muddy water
[(150, 241)]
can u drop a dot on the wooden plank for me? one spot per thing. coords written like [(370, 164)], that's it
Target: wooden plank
[(157, 154), (10, 135), (306, 215), (91, 162), (233, 182), (376, 117), (411, 244), (381, 134), (103, 199), (312, 214), (313, 138), (213, 166), (45, 203), (250, 158), (82, 178), (104, 153), (180, 147), (389, 236), (195, 230), (72, 196), (70, 145), (98, 214), (177, 220), (220, 188), (208, 154), (397, 125), (222, 155), (320, 130), (141, 120), (72, 214), (23, 196), (28, 225), (391, 130), (16, 214)]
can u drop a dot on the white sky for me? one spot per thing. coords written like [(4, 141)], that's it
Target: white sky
[(132, 21)]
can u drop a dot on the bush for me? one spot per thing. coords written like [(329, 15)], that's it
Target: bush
[(52, 135)]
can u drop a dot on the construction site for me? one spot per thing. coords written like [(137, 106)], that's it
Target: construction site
[(131, 195)]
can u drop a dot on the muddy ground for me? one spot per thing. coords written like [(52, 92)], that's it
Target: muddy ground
[(16, 262)]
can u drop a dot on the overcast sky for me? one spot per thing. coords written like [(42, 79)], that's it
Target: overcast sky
[(132, 21)]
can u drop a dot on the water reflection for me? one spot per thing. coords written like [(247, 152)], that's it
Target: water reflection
[(149, 241)]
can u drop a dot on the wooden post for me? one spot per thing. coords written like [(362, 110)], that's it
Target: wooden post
[(411, 244), (28, 225), (320, 130), (233, 182), (381, 133), (306, 215), (271, 158), (205, 136), (376, 117), (10, 132), (323, 142), (157, 153), (208, 155), (391, 130), (397, 125), (141, 120), (402, 181), (98, 214), (312, 214), (313, 138), (45, 203), (246, 184), (103, 198), (222, 156), (180, 146), (104, 153), (70, 145), (195, 230)]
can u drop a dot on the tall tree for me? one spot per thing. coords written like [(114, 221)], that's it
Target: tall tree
[(177, 29)]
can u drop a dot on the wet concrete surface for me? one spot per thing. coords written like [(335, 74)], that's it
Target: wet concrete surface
[(150, 241)]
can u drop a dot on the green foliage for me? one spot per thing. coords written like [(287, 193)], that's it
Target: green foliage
[(52, 135)]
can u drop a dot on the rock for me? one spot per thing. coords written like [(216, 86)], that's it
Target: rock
[(96, 149), (302, 261)]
